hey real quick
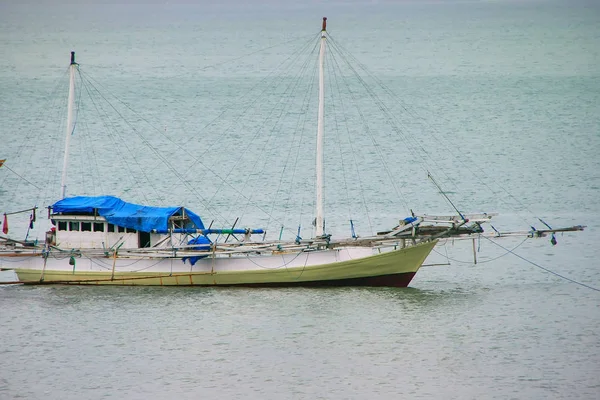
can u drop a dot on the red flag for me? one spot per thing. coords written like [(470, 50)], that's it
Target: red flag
[(5, 225), (2, 162)]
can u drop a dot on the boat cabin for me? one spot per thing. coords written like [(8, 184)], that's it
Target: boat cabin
[(108, 222)]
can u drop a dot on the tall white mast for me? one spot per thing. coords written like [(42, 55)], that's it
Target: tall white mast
[(319, 168), (63, 182)]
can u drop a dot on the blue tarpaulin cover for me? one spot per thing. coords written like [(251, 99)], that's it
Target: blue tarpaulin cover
[(204, 245), (128, 215)]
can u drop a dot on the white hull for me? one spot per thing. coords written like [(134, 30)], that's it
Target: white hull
[(346, 263)]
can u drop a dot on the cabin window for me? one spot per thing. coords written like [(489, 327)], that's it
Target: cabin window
[(62, 225), (110, 228), (73, 226), (86, 226), (98, 227), (131, 230), (120, 229)]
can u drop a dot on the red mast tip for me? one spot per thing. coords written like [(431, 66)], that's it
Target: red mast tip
[(324, 23)]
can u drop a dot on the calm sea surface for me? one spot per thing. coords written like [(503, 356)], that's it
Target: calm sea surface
[(504, 100)]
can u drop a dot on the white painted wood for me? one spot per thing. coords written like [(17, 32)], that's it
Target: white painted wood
[(319, 167), (63, 182)]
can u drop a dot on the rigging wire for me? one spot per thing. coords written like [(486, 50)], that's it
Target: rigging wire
[(249, 54), (17, 174), (89, 148), (257, 135), (264, 148), (349, 138), (543, 268), (113, 133), (441, 138), (301, 122), (299, 130), (300, 75), (350, 60), (368, 130), (28, 142), (259, 84), (156, 152), (350, 142), (346, 57), (332, 96), (170, 166), (478, 261)]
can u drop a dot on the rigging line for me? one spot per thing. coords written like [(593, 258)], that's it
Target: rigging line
[(482, 181), (383, 107), (29, 136), (289, 98), (52, 154), (350, 142), (115, 137), (295, 55), (303, 130), (374, 97), (372, 137), (91, 148), (478, 261), (257, 134), (58, 144), (160, 156), (124, 151), (11, 170), (332, 70), (299, 132), (250, 54), (255, 99), (175, 172), (76, 127), (187, 152), (544, 268), (445, 196), (264, 148), (131, 153), (387, 112), (113, 133)]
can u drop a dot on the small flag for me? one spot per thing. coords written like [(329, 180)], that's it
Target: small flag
[(31, 219), (2, 162), (5, 225)]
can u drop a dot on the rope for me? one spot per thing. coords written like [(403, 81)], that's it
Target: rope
[(544, 268), (478, 261), (159, 155), (436, 134), (11, 170)]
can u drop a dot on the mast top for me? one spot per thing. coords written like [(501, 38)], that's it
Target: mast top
[(324, 24), (73, 58)]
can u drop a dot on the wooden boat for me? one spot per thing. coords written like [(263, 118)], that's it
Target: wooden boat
[(105, 240)]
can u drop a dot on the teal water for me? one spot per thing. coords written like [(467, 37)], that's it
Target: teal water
[(503, 95)]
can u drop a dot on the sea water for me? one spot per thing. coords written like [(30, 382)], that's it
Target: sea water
[(513, 86)]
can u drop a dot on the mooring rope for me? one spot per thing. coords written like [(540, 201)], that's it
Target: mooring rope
[(544, 268)]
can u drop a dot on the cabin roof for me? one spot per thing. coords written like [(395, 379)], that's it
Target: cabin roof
[(128, 215)]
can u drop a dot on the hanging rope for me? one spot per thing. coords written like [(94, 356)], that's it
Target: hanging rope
[(544, 268)]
